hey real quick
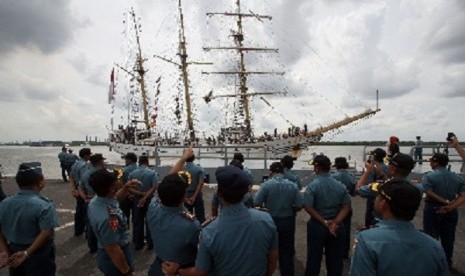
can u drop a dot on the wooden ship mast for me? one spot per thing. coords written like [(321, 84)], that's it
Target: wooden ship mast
[(138, 71), (243, 95)]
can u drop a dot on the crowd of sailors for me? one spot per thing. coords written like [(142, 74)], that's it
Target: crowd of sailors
[(248, 233)]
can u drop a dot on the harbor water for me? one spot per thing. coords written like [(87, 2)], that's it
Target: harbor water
[(12, 156)]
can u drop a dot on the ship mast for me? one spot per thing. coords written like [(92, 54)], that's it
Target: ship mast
[(183, 66), (242, 73), (138, 71)]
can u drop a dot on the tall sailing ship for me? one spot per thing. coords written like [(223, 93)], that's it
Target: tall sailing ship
[(141, 136)]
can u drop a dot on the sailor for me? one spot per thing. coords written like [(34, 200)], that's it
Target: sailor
[(194, 198), (447, 190), (327, 202), (86, 192), (114, 255), (2, 193), (77, 170), (418, 150), (248, 197), (394, 246), (179, 246), (288, 163), (282, 199), (61, 158), (349, 180), (375, 171), (141, 198), (239, 241), (70, 159), (27, 222), (400, 166), (126, 204)]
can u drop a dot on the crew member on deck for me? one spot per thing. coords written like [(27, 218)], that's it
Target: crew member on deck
[(130, 160), (288, 163), (27, 222)]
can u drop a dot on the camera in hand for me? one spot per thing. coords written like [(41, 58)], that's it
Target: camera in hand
[(449, 136)]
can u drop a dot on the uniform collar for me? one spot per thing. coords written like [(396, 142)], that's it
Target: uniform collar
[(233, 208), (106, 200), (28, 192), (171, 209), (395, 223)]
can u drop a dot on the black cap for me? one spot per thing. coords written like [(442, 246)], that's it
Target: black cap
[(277, 167), (131, 156), (29, 171), (404, 199), (379, 153), (341, 163), (441, 158), (95, 158), (232, 178), (402, 161), (322, 161)]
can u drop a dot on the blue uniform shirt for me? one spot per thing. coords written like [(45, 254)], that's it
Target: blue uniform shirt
[(444, 183), (147, 176), (197, 174), (78, 169), (280, 196), (237, 242), (395, 247), (175, 237), (84, 181), (346, 178), (127, 170), (326, 195), (24, 215), (247, 200), (108, 222), (292, 176), (62, 156)]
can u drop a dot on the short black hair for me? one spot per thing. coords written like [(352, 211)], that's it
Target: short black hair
[(233, 183), (84, 151), (172, 190), (191, 159), (232, 196), (323, 162), (277, 167), (102, 180), (239, 157), (143, 160), (28, 181), (29, 174), (403, 198), (236, 163), (287, 161)]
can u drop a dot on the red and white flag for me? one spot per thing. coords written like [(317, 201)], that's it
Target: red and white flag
[(111, 91)]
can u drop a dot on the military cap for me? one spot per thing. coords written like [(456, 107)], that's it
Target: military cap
[(30, 171), (232, 178), (402, 161)]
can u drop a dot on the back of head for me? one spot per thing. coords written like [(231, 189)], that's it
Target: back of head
[(403, 162), (63, 149), (379, 154), (85, 152), (131, 157), (102, 180), (239, 157), (172, 190), (277, 167), (237, 163), (403, 198), (191, 159), (322, 162), (287, 161), (441, 158), (143, 160), (233, 183), (96, 158), (29, 174), (341, 163)]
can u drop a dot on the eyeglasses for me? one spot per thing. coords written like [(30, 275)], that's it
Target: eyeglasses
[(186, 176)]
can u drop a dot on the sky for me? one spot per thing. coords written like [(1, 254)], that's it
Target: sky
[(56, 58)]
